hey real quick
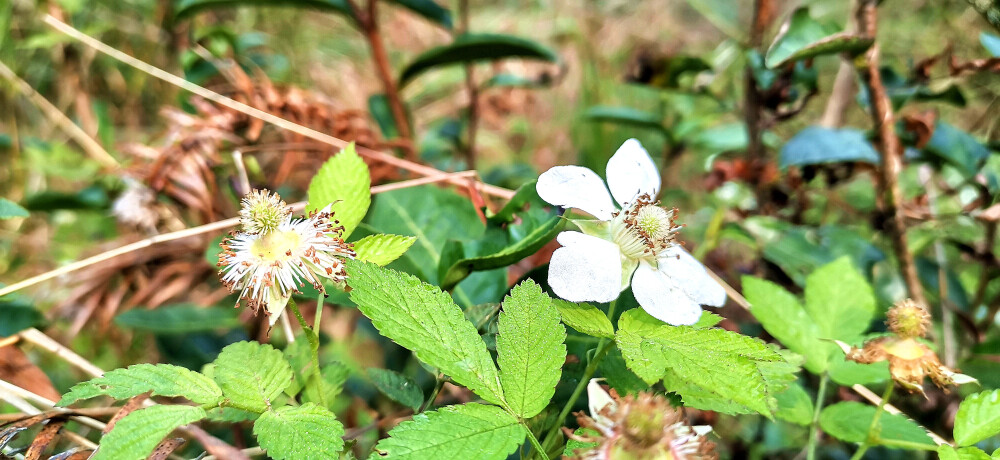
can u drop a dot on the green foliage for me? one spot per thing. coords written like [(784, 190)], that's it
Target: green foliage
[(804, 37), (794, 405), (585, 318), (186, 8), (626, 116), (849, 421), (839, 305), (16, 315), (382, 249), (946, 452), (474, 430), (429, 9), (251, 386), (381, 111), (520, 229), (397, 387), (137, 434), (476, 47), (691, 356), (422, 318), (179, 319), (957, 148), (326, 386), (819, 145), (343, 183), (160, 379), (10, 210), (978, 418), (306, 431), (530, 349)]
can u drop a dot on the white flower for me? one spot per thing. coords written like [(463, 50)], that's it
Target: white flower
[(634, 243), (268, 266)]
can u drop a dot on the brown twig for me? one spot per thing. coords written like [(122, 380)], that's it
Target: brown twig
[(890, 147), (763, 12), (368, 22), (470, 85)]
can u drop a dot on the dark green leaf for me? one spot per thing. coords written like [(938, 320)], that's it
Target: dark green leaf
[(179, 319), (378, 106), (626, 116), (10, 209), (956, 147), (849, 421), (90, 198), (470, 48), (818, 145), (16, 316), (185, 8), (429, 9), (397, 387), (803, 37)]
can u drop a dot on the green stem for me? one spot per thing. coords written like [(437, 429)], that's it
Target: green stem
[(814, 431), (313, 345), (319, 312), (873, 428), (438, 383), (603, 346), (534, 441)]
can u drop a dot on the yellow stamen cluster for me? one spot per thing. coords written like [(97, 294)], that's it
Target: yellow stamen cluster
[(262, 212), (643, 229)]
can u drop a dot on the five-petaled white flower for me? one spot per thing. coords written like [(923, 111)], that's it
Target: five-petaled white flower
[(275, 254), (635, 242)]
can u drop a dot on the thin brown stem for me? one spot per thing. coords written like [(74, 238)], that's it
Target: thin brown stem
[(892, 152), (473, 90), (753, 111), (368, 20)]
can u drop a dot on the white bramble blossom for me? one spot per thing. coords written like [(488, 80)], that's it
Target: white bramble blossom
[(276, 254), (631, 244)]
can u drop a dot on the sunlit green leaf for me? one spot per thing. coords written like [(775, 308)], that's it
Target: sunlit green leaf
[(382, 249), (137, 434), (803, 37), (849, 421), (255, 386), (585, 318), (343, 183), (306, 431), (978, 418), (473, 430), (160, 379)]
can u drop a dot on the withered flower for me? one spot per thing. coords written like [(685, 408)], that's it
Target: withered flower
[(910, 360), (644, 426)]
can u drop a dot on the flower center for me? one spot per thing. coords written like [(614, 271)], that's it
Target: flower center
[(642, 230), (262, 212), (276, 246)]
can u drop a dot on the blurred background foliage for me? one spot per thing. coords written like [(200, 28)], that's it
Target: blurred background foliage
[(509, 88)]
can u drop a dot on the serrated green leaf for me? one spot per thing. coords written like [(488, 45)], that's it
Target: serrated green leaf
[(10, 209), (803, 37), (344, 183), (849, 421), (530, 349), (306, 431), (398, 387), (425, 320), (465, 431), (230, 415), (839, 300), (179, 319), (382, 248), (474, 47), (978, 418), (946, 452), (585, 318), (251, 375), (572, 445), (137, 434), (161, 379), (652, 349), (783, 317), (794, 405)]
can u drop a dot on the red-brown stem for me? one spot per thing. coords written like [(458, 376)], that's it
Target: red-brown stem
[(892, 151), (470, 84), (368, 21), (762, 14)]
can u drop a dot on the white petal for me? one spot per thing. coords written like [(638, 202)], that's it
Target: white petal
[(662, 298), (598, 399), (576, 187), (691, 276), (631, 172), (586, 268)]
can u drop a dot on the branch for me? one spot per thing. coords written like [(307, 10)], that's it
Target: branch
[(890, 147), (369, 25)]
